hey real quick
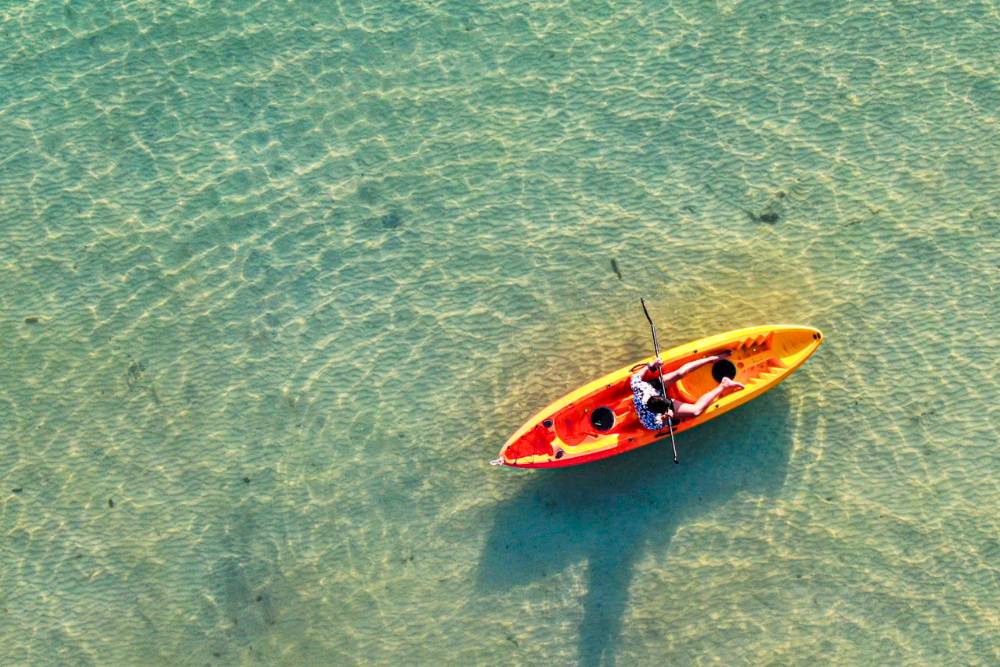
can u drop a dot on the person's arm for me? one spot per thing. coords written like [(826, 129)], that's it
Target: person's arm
[(652, 371)]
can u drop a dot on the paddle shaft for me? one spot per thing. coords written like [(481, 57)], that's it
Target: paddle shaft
[(663, 387)]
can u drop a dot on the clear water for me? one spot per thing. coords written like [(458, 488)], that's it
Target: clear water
[(277, 281)]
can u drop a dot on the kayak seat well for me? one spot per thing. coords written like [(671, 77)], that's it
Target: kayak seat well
[(679, 392), (573, 428), (582, 420)]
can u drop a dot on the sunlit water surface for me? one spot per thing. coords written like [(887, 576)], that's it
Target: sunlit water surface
[(277, 281)]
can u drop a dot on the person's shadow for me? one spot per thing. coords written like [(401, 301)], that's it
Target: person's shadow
[(609, 512)]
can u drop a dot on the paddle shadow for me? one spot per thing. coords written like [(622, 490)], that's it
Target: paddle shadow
[(608, 512)]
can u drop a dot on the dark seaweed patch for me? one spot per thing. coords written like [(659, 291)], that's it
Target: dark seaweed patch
[(134, 373), (770, 217), (391, 220), (614, 267)]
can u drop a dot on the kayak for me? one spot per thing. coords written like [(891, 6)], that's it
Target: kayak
[(599, 420)]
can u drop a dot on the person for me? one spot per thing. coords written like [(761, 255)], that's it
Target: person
[(654, 408)]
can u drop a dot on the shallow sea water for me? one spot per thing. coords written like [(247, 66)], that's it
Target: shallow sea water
[(277, 281)]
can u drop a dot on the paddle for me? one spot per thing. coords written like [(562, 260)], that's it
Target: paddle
[(663, 387)]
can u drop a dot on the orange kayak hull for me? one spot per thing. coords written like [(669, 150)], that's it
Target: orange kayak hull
[(598, 420)]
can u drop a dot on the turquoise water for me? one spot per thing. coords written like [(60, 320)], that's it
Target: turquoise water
[(277, 281)]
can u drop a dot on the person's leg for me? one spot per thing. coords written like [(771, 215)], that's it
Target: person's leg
[(688, 410), (673, 376)]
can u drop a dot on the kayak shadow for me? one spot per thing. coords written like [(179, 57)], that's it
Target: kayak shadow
[(609, 513)]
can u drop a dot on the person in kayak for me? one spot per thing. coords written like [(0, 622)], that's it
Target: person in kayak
[(651, 406)]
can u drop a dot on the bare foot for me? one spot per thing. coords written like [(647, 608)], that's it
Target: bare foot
[(729, 384)]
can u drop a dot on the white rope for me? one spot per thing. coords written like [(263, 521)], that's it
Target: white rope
[(496, 462)]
